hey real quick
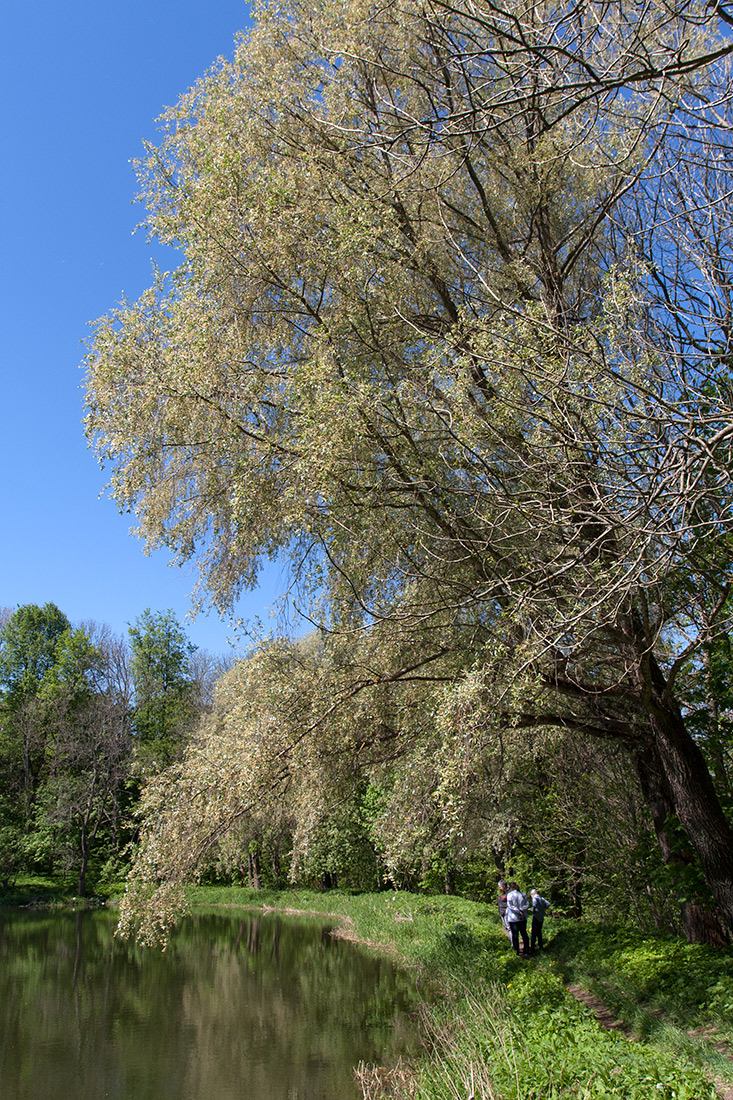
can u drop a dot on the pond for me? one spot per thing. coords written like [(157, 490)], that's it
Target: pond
[(238, 1008)]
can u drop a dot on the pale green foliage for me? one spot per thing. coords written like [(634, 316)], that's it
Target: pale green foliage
[(448, 334), (351, 777), (238, 765), (364, 326), (411, 357)]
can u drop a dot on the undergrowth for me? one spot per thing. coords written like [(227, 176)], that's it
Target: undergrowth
[(45, 892), (509, 1043), (690, 985)]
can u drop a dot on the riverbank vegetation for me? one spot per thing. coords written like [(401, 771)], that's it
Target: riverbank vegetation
[(605, 1011)]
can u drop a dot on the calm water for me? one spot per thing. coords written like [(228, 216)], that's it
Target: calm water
[(253, 1008)]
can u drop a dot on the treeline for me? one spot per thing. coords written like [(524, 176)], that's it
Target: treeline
[(85, 718)]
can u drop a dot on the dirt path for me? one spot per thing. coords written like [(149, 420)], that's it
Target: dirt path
[(602, 1014), (607, 1020)]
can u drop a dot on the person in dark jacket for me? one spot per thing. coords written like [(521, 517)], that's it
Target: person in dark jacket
[(540, 906)]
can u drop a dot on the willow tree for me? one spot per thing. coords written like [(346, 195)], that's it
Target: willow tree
[(451, 330)]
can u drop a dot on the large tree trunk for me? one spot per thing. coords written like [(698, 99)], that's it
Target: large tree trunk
[(700, 923), (675, 778), (697, 807), (658, 797)]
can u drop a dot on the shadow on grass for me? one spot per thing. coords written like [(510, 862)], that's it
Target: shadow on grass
[(47, 893)]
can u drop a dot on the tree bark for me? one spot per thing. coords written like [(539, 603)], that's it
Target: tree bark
[(253, 870), (700, 923), (82, 880), (675, 780), (657, 795), (696, 805)]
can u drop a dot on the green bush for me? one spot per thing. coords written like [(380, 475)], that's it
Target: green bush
[(532, 1041)]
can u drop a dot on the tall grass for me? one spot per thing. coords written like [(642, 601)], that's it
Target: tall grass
[(539, 1044)]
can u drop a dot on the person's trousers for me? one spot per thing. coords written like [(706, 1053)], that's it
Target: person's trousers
[(537, 923), (519, 928)]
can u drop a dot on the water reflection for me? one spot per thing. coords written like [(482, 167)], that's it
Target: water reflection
[(253, 1008)]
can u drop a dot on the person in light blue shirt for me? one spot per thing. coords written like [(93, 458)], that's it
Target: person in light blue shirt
[(517, 907), (540, 906)]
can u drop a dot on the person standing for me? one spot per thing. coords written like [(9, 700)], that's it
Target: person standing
[(517, 907), (502, 907), (540, 906)]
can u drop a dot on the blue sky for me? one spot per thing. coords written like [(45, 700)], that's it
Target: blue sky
[(83, 85)]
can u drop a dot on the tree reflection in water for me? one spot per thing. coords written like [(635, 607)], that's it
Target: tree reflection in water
[(253, 1008)]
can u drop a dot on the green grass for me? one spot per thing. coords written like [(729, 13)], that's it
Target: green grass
[(675, 994), (518, 1046), (690, 985), (40, 891)]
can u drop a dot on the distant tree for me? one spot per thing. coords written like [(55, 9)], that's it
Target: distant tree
[(13, 817), (29, 646), (205, 670), (29, 638), (83, 793), (64, 741), (165, 691)]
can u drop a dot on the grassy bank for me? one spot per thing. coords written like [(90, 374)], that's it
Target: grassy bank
[(507, 1028), (44, 892)]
